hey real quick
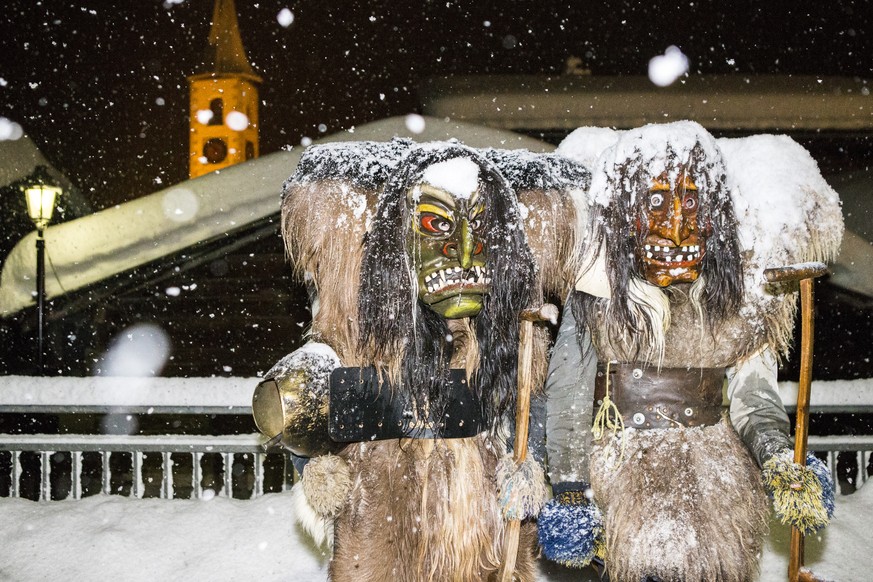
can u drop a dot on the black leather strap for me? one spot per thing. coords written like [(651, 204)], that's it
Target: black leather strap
[(364, 409)]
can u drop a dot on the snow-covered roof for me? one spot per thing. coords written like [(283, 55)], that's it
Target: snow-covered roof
[(115, 240), (718, 102), (20, 157)]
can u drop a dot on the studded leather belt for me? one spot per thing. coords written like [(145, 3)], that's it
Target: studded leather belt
[(667, 398)]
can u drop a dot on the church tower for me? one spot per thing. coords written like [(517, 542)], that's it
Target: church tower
[(223, 100)]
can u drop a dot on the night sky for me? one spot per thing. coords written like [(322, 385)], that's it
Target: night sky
[(101, 86)]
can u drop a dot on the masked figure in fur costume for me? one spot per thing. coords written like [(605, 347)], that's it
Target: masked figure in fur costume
[(686, 225), (419, 268)]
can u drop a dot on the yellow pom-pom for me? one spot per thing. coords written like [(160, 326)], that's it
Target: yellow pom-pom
[(796, 492), (600, 547)]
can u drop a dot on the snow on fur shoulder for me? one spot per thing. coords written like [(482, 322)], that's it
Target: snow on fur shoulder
[(787, 212), (585, 144)]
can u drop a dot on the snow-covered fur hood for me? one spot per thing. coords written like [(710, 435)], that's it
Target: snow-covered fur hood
[(764, 196), (638, 313), (405, 338), (552, 193)]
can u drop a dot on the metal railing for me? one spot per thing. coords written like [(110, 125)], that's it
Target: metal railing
[(848, 456), (838, 449), (188, 466)]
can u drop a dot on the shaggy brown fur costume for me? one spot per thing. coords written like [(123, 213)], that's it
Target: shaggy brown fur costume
[(705, 511), (688, 503), (419, 509), (424, 510)]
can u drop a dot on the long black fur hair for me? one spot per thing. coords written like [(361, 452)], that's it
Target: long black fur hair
[(394, 323), (620, 223)]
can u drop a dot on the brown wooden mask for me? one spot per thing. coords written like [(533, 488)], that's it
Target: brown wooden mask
[(674, 244)]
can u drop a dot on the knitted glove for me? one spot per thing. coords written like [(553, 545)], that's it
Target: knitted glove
[(521, 489), (570, 526), (803, 496)]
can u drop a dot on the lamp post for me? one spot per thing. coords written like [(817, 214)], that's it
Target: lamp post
[(40, 191)]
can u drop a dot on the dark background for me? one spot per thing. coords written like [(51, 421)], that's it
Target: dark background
[(101, 86)]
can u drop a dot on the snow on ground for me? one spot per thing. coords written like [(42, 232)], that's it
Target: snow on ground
[(111, 538)]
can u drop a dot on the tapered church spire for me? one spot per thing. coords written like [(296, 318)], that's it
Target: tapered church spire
[(224, 99), (225, 53)]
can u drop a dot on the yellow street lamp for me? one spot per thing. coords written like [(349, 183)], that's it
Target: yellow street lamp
[(41, 192)]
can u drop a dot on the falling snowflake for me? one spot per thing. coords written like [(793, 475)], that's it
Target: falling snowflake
[(204, 116), (237, 120), (415, 123), (665, 69), (9, 130), (285, 17)]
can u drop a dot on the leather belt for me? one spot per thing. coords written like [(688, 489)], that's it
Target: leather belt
[(667, 398), (364, 409)]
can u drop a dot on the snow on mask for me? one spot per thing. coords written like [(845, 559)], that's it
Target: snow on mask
[(457, 176)]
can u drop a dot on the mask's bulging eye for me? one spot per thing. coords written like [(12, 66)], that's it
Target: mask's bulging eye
[(656, 200), (477, 223), (435, 224), (690, 203)]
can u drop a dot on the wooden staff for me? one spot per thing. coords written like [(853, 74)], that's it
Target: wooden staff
[(547, 312), (806, 274)]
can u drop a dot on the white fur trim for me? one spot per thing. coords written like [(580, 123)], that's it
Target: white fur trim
[(319, 528), (592, 277), (326, 483)]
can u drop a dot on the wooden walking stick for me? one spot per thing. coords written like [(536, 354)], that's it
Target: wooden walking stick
[(547, 312), (806, 273)]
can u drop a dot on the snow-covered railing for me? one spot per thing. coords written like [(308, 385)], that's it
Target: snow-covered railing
[(59, 465), (63, 465), (115, 394), (861, 445)]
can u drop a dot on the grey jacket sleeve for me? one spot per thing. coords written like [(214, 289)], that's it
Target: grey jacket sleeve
[(756, 410), (569, 403)]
